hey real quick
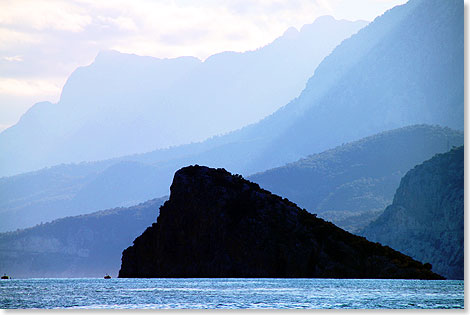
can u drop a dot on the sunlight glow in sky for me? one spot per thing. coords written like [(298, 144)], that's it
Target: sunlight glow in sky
[(44, 41)]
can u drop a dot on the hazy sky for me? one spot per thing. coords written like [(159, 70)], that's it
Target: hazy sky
[(43, 41)]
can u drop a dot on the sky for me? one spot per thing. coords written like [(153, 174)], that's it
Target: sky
[(43, 41)]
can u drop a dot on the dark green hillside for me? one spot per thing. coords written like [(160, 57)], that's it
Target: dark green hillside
[(426, 218), (82, 246), (352, 184)]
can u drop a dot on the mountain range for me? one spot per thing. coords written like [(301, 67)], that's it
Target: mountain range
[(124, 104), (349, 185), (425, 220), (406, 67)]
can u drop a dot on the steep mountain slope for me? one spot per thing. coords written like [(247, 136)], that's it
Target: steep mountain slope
[(406, 67), (426, 218), (219, 225), (82, 246), (350, 185), (124, 104)]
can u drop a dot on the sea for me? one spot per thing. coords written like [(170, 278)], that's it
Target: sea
[(230, 294)]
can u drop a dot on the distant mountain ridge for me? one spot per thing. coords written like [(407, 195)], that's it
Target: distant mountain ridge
[(356, 91), (124, 104), (69, 190), (426, 218), (350, 185), (405, 67), (73, 247)]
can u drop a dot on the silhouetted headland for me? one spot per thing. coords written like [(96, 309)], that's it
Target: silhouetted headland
[(216, 224)]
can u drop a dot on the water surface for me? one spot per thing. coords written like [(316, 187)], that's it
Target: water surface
[(230, 293)]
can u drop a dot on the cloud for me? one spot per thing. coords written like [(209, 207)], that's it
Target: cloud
[(14, 39), (361, 9), (30, 87), (121, 23), (13, 58), (41, 15)]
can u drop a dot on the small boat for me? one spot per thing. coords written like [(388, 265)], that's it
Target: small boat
[(107, 276), (5, 276)]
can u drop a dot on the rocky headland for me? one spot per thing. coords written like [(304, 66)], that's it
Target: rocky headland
[(216, 224)]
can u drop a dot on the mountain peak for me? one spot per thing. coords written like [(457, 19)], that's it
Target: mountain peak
[(325, 19), (291, 32), (111, 56)]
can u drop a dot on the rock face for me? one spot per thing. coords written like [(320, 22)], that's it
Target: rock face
[(220, 225), (426, 218)]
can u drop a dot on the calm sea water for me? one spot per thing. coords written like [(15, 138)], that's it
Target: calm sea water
[(230, 293)]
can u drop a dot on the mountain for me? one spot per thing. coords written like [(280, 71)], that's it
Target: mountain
[(216, 224), (124, 104), (368, 165), (82, 246), (42, 196), (351, 184), (404, 68), (426, 218)]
